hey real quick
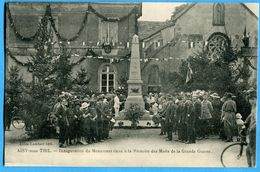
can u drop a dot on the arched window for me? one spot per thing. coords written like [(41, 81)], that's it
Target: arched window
[(219, 14), (107, 78)]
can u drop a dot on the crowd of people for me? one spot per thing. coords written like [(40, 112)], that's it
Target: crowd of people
[(196, 115), (191, 116), (83, 121)]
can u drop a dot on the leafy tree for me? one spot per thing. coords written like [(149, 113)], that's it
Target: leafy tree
[(209, 75), (13, 87)]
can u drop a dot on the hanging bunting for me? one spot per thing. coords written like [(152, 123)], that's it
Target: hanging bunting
[(48, 14), (17, 34), (91, 9)]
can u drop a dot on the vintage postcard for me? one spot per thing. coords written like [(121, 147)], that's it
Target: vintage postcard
[(130, 84)]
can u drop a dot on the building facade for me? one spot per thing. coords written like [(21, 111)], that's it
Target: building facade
[(99, 37)]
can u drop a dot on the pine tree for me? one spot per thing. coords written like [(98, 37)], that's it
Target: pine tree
[(41, 88), (62, 68), (42, 66)]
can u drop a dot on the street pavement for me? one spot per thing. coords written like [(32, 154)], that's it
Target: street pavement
[(141, 147)]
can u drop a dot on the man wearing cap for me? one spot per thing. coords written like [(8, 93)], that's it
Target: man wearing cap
[(206, 111), (229, 117)]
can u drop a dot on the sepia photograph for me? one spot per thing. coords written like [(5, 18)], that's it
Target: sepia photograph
[(130, 84)]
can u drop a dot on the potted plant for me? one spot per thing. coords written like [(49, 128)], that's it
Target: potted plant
[(134, 113)]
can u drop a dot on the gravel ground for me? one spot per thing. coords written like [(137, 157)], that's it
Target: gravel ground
[(141, 147)]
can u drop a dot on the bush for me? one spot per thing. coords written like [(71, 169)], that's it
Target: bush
[(134, 114)]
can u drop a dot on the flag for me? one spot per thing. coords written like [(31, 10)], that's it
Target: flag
[(189, 74), (245, 32)]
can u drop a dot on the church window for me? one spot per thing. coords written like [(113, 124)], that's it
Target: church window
[(219, 14)]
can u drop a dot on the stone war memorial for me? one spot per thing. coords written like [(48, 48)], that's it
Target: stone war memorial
[(135, 95)]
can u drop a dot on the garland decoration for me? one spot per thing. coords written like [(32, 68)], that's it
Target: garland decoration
[(48, 14), (91, 9), (84, 23), (8, 52), (17, 34)]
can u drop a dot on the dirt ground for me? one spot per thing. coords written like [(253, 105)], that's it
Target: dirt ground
[(141, 147)]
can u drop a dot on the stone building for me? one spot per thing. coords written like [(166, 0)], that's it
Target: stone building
[(163, 45), (106, 32), (198, 25)]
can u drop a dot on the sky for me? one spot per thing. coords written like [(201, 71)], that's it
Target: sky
[(164, 10)]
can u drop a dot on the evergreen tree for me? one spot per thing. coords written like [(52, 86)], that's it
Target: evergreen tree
[(41, 88), (42, 66), (62, 68)]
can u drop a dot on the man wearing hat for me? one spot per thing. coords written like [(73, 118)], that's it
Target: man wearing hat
[(229, 117), (216, 114)]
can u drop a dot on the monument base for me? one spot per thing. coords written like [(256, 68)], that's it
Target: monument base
[(134, 100), (145, 121)]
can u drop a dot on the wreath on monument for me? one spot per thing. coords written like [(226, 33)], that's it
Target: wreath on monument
[(134, 113)]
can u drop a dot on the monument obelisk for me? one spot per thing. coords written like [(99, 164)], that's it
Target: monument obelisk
[(135, 82)]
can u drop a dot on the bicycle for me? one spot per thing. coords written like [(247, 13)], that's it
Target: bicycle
[(229, 156), (18, 122)]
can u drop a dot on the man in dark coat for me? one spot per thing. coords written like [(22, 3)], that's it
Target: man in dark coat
[(182, 121), (100, 119), (190, 120), (161, 111), (229, 117), (197, 113), (170, 113), (63, 122)]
